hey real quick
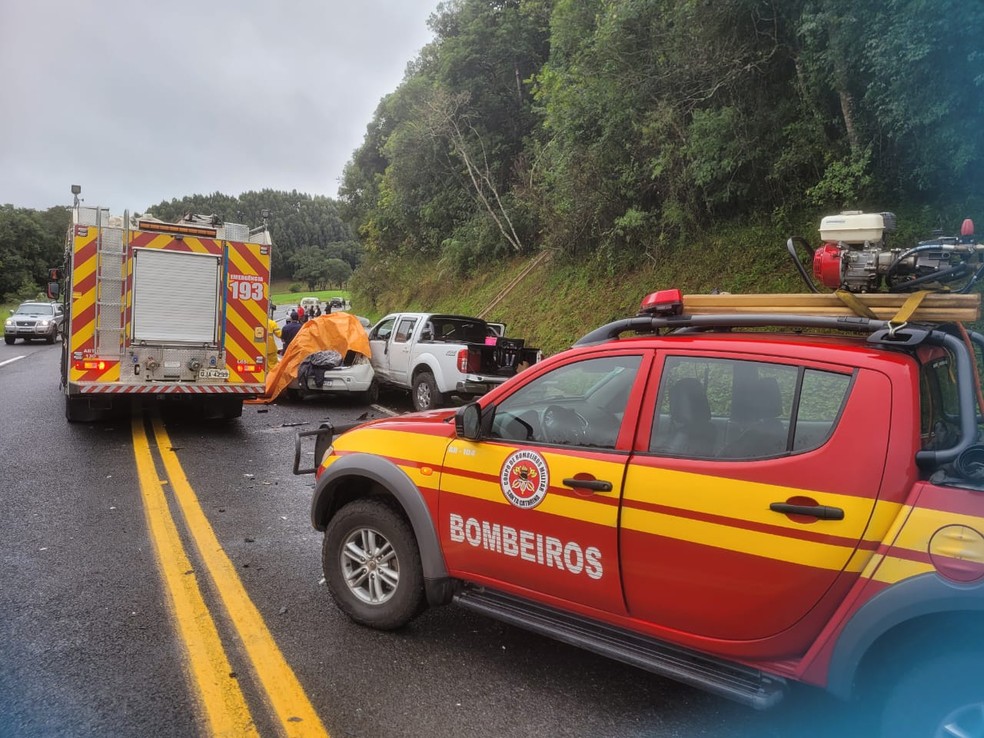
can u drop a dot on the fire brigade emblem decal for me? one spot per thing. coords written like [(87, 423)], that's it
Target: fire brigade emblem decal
[(524, 479)]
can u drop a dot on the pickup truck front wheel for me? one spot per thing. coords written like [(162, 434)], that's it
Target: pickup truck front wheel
[(425, 393), (936, 699), (372, 565)]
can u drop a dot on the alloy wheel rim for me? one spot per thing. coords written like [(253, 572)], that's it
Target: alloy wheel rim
[(370, 566), (967, 721)]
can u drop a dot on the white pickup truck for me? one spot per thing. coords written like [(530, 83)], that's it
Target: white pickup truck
[(436, 356)]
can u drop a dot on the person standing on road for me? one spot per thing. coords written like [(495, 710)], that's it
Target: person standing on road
[(287, 333), (301, 314), (271, 348)]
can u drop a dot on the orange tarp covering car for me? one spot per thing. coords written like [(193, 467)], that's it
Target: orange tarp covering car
[(341, 332)]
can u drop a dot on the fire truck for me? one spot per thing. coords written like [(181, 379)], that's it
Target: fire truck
[(160, 310)]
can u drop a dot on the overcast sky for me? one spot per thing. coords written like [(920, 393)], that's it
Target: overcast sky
[(139, 102)]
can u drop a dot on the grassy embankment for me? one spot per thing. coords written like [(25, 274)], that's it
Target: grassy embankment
[(560, 301)]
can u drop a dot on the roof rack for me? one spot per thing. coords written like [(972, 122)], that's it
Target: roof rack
[(879, 314), (934, 307)]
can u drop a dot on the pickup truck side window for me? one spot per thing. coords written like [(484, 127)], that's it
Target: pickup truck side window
[(403, 330), (382, 331), (742, 410), (578, 404)]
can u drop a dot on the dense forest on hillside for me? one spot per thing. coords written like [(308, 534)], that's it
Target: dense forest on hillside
[(608, 129), (31, 242), (312, 244)]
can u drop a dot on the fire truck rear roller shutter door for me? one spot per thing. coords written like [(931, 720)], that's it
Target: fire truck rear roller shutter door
[(175, 296)]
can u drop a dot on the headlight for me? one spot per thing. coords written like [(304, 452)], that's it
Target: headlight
[(43, 323), (9, 321)]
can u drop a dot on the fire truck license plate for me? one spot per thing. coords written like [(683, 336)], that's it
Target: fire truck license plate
[(213, 374)]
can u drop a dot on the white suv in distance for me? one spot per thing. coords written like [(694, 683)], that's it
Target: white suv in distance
[(34, 320)]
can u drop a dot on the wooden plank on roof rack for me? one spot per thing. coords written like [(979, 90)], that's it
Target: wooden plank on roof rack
[(937, 307)]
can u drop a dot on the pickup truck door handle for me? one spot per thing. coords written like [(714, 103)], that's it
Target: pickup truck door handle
[(595, 485), (823, 512)]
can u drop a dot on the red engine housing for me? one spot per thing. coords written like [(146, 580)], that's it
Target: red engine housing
[(827, 265)]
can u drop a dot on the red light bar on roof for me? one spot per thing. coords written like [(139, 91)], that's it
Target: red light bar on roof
[(185, 230), (664, 302)]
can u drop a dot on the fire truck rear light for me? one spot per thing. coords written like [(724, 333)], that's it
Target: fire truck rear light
[(89, 364), (663, 302), (247, 368)]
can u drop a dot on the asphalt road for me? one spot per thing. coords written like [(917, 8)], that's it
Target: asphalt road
[(88, 646)]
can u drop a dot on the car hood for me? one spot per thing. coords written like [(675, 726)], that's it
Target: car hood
[(439, 422)]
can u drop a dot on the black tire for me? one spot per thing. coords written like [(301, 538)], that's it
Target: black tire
[(940, 697), (9, 340), (293, 395), (222, 408), (78, 410), (371, 395), (51, 339), (384, 589), (232, 408), (425, 394)]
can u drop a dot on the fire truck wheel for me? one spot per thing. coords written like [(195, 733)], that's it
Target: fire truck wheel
[(940, 697), (425, 394), (78, 410), (372, 565), (231, 408)]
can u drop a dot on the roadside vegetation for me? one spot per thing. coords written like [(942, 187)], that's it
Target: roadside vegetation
[(657, 143)]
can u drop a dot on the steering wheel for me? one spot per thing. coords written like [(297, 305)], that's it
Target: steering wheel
[(563, 425)]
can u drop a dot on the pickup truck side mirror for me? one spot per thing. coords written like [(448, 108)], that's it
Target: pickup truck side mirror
[(468, 421)]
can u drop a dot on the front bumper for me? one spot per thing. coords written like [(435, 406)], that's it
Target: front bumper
[(30, 331), (345, 381)]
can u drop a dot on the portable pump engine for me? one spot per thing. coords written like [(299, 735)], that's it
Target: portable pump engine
[(855, 257)]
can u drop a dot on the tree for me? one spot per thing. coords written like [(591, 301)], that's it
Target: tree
[(310, 266), (337, 272), (31, 242)]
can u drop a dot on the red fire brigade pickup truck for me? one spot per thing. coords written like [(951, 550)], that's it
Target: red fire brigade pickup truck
[(736, 509)]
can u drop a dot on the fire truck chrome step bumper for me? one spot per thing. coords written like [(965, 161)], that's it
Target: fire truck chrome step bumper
[(742, 684)]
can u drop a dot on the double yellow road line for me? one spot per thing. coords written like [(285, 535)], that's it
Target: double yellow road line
[(216, 687)]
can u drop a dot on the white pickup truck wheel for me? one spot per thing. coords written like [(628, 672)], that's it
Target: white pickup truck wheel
[(425, 393)]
